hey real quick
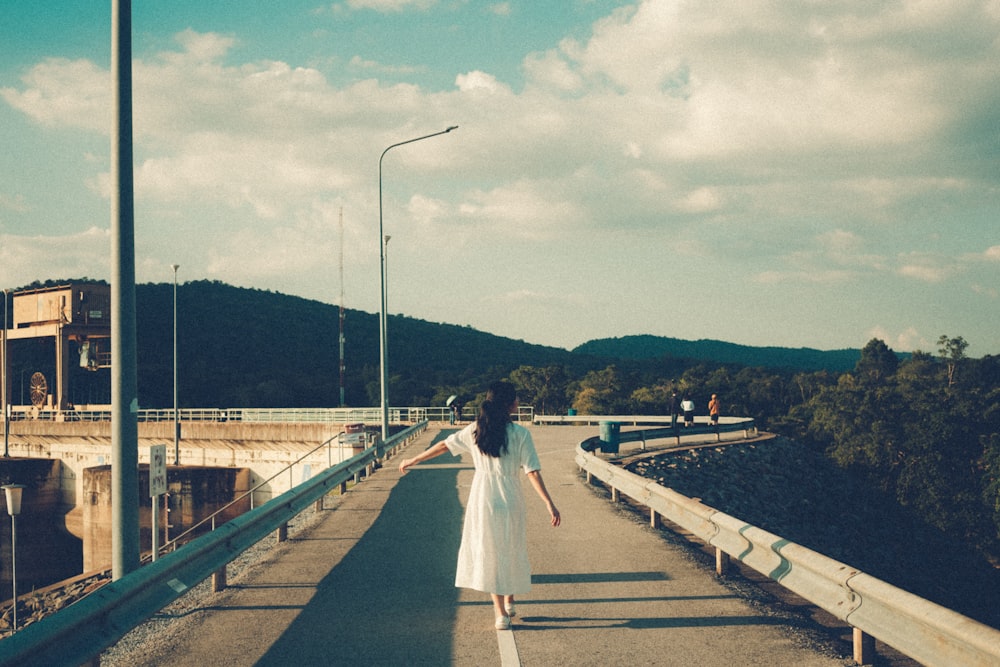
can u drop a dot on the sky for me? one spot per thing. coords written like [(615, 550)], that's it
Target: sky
[(797, 174)]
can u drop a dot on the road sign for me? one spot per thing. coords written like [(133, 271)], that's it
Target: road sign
[(157, 470)]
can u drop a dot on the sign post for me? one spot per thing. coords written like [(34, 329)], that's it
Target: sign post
[(157, 487)]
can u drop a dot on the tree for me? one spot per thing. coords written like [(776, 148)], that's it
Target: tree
[(543, 388), (877, 362), (599, 392), (952, 352)]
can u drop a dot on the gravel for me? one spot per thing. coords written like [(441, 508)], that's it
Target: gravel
[(148, 639)]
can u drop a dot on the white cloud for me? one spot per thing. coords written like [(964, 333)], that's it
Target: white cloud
[(15, 203), (925, 267), (78, 255), (907, 340), (701, 200), (390, 6), (500, 9), (64, 93), (476, 81)]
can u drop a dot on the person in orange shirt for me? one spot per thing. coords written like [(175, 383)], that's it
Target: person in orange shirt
[(713, 410)]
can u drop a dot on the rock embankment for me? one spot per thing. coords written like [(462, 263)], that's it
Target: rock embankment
[(39, 604), (785, 488)]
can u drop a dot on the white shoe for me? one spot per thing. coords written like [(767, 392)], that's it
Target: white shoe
[(510, 609), (503, 623)]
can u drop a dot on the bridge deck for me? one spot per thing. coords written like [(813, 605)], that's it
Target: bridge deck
[(370, 582)]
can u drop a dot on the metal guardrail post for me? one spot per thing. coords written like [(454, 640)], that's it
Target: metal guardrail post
[(219, 580), (864, 647)]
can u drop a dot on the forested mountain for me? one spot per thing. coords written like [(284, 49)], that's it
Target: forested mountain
[(652, 347)]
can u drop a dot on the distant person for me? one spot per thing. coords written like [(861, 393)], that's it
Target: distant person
[(674, 407), (713, 410), (493, 556), (687, 406)]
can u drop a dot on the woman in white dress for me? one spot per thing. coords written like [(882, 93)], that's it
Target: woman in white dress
[(493, 556)]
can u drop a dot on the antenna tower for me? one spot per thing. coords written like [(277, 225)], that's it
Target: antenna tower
[(342, 403)]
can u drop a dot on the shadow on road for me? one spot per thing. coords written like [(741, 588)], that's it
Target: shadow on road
[(391, 600)]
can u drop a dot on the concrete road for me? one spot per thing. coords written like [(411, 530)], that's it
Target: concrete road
[(371, 583)]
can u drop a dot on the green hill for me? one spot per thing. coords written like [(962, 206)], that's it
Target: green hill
[(655, 347)]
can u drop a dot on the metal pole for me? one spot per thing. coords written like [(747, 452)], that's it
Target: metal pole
[(6, 412), (177, 425), (154, 510), (124, 400), (13, 564), (383, 354)]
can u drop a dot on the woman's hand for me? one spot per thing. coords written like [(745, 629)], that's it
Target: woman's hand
[(405, 465), (556, 518)]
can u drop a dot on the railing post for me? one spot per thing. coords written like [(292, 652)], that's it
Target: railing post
[(282, 532), (614, 494), (654, 519), (864, 647)]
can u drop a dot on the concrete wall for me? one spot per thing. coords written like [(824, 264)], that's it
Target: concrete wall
[(194, 493)]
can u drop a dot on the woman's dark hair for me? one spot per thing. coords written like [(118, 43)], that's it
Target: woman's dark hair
[(494, 415)]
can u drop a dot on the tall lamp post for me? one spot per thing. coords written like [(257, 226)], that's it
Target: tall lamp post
[(177, 424), (13, 493), (382, 314)]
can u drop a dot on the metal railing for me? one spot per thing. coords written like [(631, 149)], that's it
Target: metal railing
[(923, 630), (411, 415), (80, 632), (210, 520)]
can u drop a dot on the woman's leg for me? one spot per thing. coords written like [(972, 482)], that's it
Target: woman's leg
[(508, 603), (498, 606)]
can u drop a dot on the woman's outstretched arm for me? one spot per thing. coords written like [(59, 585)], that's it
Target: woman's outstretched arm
[(535, 476), (429, 453)]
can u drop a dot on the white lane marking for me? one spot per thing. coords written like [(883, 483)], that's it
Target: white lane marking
[(508, 649)]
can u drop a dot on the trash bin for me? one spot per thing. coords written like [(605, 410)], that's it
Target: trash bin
[(609, 437), (571, 412)]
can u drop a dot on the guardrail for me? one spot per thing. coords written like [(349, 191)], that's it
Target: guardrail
[(77, 634), (923, 630)]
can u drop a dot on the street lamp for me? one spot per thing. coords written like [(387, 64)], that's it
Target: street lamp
[(13, 493), (177, 425), (383, 362)]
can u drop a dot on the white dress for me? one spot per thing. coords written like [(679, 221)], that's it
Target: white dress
[(493, 557)]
